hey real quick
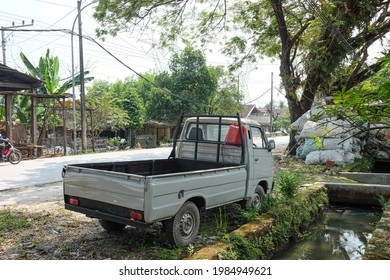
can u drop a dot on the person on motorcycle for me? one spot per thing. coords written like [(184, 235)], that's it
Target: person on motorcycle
[(2, 146)]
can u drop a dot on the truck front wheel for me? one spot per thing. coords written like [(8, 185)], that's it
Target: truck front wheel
[(183, 228), (111, 226), (256, 200)]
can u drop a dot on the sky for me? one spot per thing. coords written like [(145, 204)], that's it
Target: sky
[(135, 51)]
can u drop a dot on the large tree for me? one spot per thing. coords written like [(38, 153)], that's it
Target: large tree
[(192, 87), (321, 45), (126, 96), (102, 111)]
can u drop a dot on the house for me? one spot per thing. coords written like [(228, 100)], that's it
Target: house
[(261, 115), (162, 132)]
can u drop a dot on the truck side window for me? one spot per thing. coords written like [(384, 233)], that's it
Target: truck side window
[(258, 139)]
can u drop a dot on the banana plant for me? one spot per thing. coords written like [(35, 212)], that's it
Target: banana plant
[(48, 71)]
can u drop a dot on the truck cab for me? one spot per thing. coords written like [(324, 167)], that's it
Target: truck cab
[(231, 140)]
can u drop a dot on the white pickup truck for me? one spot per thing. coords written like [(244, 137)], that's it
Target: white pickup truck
[(215, 160)]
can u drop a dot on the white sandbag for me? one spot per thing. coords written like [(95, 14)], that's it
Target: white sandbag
[(299, 123), (299, 153), (309, 146), (326, 128), (313, 158), (349, 157), (337, 144), (320, 157), (309, 130)]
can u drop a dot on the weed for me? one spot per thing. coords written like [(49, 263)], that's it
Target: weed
[(221, 222), (364, 164), (383, 202), (114, 142), (245, 249), (271, 201), (174, 253), (288, 183), (249, 214), (9, 221)]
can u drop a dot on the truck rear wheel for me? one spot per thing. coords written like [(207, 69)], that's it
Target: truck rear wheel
[(256, 200), (183, 228), (111, 226)]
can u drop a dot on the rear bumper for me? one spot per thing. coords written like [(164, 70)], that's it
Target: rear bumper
[(105, 216)]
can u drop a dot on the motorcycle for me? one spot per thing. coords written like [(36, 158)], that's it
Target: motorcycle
[(10, 153)]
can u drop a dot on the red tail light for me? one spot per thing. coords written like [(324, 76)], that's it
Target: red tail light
[(73, 201), (136, 216)]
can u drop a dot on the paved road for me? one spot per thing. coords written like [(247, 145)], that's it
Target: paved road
[(40, 180), (48, 170)]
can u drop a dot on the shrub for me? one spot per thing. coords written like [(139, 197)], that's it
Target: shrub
[(288, 183)]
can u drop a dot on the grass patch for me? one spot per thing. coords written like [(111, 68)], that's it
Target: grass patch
[(10, 221)]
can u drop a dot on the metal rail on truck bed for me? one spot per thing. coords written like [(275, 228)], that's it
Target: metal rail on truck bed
[(197, 139)]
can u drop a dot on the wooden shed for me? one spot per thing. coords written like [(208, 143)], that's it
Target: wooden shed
[(11, 83)]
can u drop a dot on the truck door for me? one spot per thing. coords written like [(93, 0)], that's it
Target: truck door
[(262, 163)]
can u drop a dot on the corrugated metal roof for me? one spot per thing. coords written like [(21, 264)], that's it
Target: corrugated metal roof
[(13, 80)]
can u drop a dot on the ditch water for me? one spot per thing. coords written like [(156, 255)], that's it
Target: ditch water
[(340, 234)]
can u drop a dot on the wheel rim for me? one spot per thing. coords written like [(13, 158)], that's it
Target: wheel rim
[(256, 201), (187, 223), (14, 157)]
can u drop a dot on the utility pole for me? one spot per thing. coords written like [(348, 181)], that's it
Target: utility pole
[(82, 87), (4, 38), (8, 97), (272, 101)]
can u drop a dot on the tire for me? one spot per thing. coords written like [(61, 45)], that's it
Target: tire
[(256, 201), (15, 156), (111, 226), (183, 228)]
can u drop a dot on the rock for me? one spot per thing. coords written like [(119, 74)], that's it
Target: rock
[(57, 254)]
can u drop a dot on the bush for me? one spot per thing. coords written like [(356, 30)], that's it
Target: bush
[(114, 142), (288, 183)]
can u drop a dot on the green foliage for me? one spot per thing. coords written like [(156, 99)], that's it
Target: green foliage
[(162, 253), (383, 202), (249, 214), (311, 41), (365, 104), (365, 164), (104, 112), (193, 81), (192, 87), (48, 71), (114, 141), (125, 95), (290, 218), (288, 183), (271, 201), (9, 221), (221, 222), (245, 249)]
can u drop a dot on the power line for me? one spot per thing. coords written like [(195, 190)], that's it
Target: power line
[(257, 97)]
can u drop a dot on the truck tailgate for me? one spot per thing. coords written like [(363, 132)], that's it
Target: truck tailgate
[(105, 186)]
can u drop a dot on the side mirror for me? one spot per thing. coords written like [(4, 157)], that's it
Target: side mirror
[(271, 145)]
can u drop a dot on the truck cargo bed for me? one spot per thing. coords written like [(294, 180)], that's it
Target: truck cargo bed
[(154, 167)]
